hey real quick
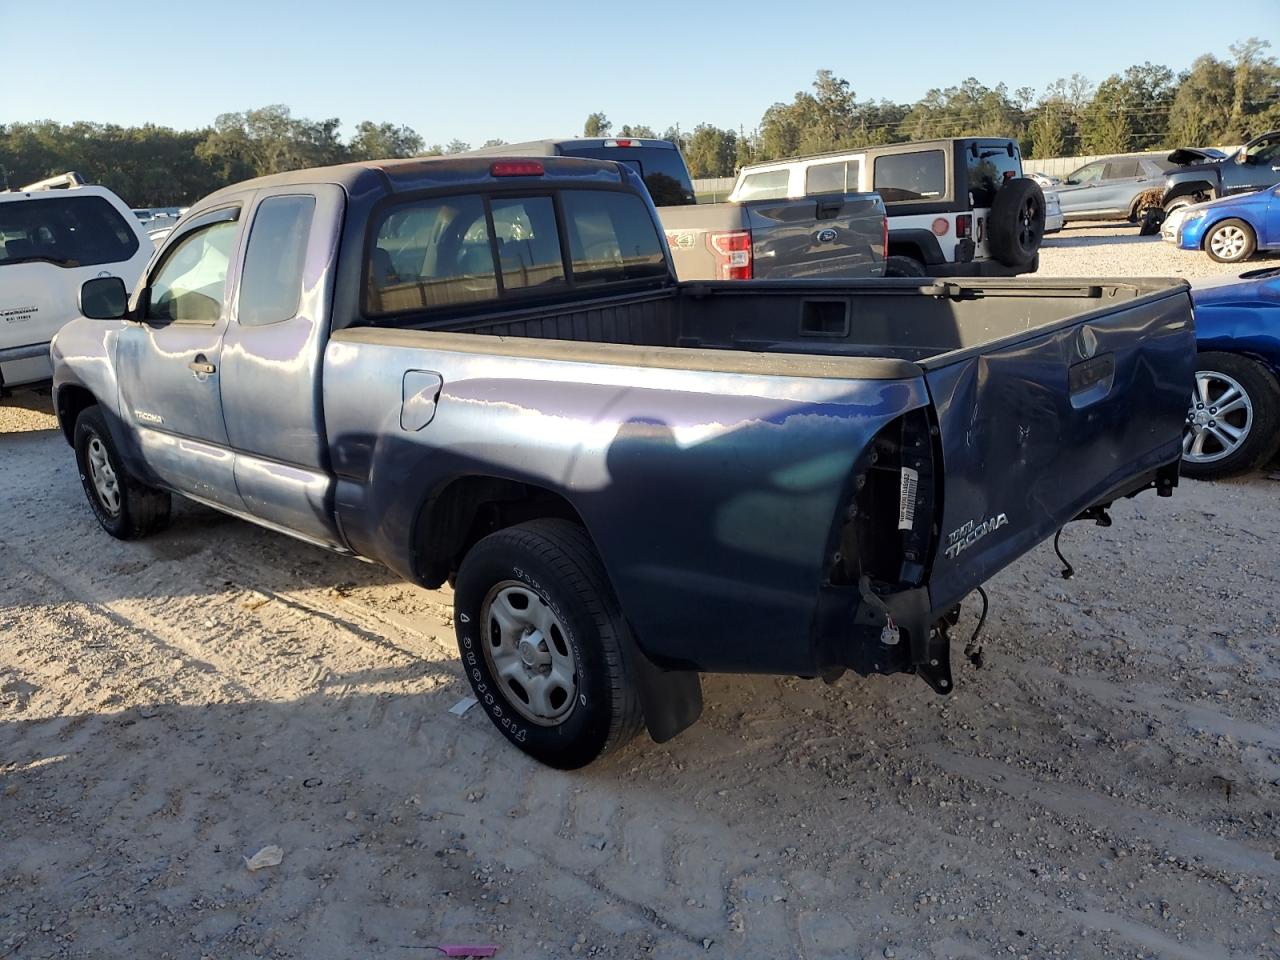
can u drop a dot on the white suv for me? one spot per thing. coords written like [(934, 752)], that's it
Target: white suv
[(957, 208), (54, 235)]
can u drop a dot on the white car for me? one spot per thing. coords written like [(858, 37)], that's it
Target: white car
[(1053, 218), (957, 207), (54, 235)]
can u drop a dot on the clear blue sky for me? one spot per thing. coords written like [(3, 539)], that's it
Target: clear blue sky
[(476, 69)]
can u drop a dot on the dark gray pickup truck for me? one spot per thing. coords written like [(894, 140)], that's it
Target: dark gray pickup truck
[(483, 371)]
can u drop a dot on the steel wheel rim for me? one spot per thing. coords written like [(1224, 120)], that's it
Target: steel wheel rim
[(105, 482), (529, 654), (1219, 419), (1227, 242)]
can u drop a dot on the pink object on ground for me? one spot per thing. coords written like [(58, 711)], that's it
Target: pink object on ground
[(462, 950)]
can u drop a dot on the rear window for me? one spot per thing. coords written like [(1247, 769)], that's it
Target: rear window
[(611, 237), (431, 253), (911, 176), (455, 251), (69, 231), (663, 170), (766, 185), (839, 177), (990, 168)]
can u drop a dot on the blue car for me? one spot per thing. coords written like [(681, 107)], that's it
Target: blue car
[(1228, 230), (1233, 423)]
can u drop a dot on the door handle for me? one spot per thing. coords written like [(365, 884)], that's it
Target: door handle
[(201, 365)]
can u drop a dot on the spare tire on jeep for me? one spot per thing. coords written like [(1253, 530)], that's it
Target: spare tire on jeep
[(1015, 226)]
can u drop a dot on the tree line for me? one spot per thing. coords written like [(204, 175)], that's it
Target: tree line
[(1146, 107)]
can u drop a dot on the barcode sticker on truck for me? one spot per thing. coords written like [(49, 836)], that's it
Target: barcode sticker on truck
[(907, 498)]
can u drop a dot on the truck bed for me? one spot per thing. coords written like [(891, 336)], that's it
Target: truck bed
[(927, 323)]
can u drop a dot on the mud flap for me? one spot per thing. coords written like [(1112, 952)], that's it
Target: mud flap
[(671, 699), (930, 646)]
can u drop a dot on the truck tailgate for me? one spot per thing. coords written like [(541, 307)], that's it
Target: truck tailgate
[(824, 236), (1036, 428)]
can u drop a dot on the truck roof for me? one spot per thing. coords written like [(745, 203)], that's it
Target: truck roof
[(426, 173), (548, 147)]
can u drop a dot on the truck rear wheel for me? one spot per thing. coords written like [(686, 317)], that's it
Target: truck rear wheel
[(125, 507), (542, 643)]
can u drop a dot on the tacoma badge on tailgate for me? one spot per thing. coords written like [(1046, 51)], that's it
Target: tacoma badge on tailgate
[(958, 541)]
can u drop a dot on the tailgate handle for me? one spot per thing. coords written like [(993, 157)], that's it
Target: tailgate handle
[(828, 209), (1091, 380)]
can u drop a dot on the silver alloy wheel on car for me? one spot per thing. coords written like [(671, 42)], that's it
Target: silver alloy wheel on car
[(1228, 242), (528, 651), (105, 481), (1219, 419)]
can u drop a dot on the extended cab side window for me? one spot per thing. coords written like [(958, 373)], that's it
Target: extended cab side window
[(611, 237), (271, 284), (190, 285)]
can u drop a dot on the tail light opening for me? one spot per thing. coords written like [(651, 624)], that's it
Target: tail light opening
[(964, 226), (734, 252)]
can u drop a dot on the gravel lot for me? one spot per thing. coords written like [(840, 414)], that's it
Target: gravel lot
[(1107, 786), (1116, 250)]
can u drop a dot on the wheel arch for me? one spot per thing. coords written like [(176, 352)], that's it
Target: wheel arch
[(1190, 188), (72, 400), (465, 509)]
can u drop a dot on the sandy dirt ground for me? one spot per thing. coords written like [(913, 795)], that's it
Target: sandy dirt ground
[(1108, 785)]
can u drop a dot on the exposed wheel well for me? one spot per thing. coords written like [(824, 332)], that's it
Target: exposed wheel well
[(1199, 191), (906, 248), (469, 508), (72, 401)]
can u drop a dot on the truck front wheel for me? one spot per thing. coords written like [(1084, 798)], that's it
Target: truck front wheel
[(125, 507), (543, 644)]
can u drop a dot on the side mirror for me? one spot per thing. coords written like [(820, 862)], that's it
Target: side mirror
[(104, 298)]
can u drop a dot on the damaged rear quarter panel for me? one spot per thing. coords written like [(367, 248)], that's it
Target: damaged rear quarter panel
[(711, 496)]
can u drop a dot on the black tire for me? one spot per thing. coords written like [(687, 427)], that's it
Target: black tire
[(140, 510), (900, 266), (1152, 221), (555, 562), (1177, 203), (1015, 226), (1263, 437), (1241, 251)]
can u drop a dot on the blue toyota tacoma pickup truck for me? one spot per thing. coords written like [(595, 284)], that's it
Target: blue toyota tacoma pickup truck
[(483, 371)]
